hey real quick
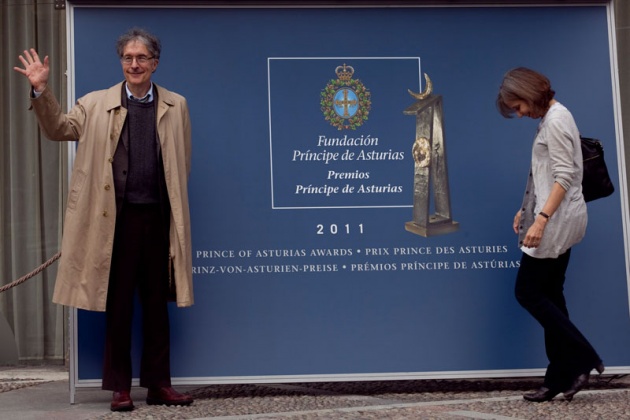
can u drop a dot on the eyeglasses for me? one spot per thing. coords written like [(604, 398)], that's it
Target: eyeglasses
[(141, 59)]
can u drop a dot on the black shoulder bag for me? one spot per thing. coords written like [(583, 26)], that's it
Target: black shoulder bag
[(596, 182)]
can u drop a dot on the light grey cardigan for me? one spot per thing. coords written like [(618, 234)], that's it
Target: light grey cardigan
[(556, 157)]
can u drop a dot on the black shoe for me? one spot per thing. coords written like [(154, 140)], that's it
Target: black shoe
[(600, 368), (579, 384), (542, 395)]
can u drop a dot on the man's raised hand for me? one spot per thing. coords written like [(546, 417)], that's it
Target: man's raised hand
[(35, 71)]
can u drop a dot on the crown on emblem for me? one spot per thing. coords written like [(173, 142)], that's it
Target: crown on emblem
[(344, 72)]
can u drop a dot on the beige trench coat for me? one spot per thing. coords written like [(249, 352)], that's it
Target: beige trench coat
[(96, 121)]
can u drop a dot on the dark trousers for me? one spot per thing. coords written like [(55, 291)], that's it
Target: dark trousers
[(139, 263), (539, 289)]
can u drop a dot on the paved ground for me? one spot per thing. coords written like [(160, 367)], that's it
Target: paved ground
[(43, 393)]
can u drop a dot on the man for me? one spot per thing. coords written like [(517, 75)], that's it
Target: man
[(127, 222)]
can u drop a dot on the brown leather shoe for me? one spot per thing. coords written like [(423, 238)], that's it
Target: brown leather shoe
[(121, 401), (167, 396)]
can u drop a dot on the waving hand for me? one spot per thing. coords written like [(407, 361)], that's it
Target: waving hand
[(35, 71)]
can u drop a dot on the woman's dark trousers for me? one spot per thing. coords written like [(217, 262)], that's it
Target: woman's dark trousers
[(539, 289)]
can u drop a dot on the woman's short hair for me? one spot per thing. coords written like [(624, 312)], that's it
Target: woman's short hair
[(137, 34), (526, 85)]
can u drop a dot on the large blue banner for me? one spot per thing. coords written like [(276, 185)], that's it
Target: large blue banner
[(304, 177)]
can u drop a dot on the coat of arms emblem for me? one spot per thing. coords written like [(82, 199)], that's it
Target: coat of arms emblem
[(345, 101)]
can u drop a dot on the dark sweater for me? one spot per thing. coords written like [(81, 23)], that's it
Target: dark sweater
[(142, 179)]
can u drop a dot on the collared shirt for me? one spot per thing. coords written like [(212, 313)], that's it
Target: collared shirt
[(146, 98), (556, 157)]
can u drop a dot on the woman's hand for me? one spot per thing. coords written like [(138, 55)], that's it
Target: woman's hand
[(535, 232), (517, 221), (35, 71)]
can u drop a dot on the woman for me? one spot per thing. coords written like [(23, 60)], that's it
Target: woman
[(551, 220)]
